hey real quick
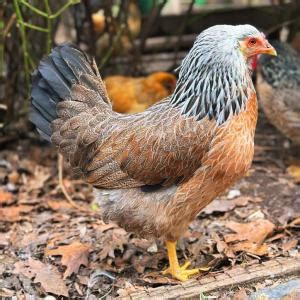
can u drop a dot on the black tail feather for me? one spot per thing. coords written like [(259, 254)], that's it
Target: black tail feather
[(52, 83)]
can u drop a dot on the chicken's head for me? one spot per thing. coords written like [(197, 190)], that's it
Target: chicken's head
[(215, 77), (254, 45)]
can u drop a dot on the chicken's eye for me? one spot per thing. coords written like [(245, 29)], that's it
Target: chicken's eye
[(252, 42)]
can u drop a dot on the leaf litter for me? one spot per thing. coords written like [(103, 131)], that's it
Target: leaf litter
[(49, 248)]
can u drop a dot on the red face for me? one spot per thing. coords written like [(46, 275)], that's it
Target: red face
[(253, 46)]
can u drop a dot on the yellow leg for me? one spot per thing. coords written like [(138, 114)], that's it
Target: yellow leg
[(180, 273)]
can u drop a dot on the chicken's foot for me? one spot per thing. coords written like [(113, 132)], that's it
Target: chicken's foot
[(175, 270)]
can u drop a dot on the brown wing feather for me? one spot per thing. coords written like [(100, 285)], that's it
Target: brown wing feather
[(114, 151)]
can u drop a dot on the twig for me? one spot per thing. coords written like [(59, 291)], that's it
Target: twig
[(34, 27), (49, 26), (23, 43), (113, 46), (280, 25), (9, 24), (60, 166), (88, 14), (155, 13), (150, 21), (181, 30)]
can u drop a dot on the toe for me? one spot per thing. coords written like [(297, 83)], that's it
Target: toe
[(186, 265), (192, 272), (166, 271)]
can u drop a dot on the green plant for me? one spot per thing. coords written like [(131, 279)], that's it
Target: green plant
[(23, 26)]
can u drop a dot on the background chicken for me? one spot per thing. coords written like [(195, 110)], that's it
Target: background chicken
[(133, 95), (278, 84), (154, 171)]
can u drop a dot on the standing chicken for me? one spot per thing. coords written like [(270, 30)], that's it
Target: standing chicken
[(278, 85), (154, 171), (133, 95)]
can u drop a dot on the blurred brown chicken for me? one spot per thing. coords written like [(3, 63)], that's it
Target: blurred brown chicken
[(278, 85), (133, 95)]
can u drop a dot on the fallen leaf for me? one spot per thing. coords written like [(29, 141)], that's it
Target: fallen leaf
[(255, 231), (294, 172), (49, 277), (289, 245), (59, 205), (222, 247), (295, 222), (277, 236), (250, 247), (249, 237), (14, 177), (6, 293), (73, 256), (240, 295), (6, 197), (114, 239), (221, 205), (13, 213), (128, 289), (41, 175), (4, 238), (102, 227)]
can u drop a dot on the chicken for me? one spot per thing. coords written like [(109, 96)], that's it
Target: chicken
[(278, 86), (133, 95), (154, 171)]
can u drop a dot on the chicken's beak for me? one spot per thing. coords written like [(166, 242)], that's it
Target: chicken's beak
[(267, 49)]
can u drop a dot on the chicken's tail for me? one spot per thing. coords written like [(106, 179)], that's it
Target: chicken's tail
[(52, 83)]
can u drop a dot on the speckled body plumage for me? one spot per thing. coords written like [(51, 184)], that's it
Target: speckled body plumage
[(224, 157), (189, 148), (278, 85)]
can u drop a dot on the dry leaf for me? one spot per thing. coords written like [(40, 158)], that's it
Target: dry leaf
[(59, 205), (13, 213), (73, 256), (4, 238), (46, 275), (249, 236), (250, 247), (14, 177), (294, 171), (289, 245), (6, 197), (295, 222), (240, 295), (255, 231), (41, 175), (102, 227), (221, 205)]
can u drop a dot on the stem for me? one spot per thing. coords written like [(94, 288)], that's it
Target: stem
[(49, 26), (63, 8), (34, 27), (34, 9), (23, 43), (2, 36), (113, 46)]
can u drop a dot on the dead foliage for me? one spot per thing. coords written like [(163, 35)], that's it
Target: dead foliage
[(48, 247)]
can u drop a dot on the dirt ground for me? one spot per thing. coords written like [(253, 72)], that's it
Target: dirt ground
[(49, 247)]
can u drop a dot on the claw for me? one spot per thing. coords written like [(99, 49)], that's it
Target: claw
[(180, 273)]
